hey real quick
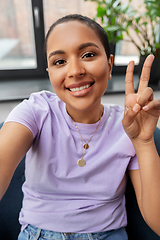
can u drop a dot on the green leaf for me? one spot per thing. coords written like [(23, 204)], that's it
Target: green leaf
[(131, 14), (112, 28), (138, 19), (101, 11), (124, 7), (129, 23), (137, 31), (144, 23), (116, 3)]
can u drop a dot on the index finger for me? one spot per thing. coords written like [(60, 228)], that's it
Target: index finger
[(129, 84), (144, 79)]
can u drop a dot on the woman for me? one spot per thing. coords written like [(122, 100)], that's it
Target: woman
[(79, 152)]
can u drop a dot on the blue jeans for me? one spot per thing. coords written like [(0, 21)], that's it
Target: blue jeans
[(33, 233)]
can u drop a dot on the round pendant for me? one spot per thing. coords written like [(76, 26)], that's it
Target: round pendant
[(86, 146), (81, 162)]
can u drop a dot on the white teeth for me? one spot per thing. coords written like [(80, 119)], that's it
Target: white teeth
[(80, 88)]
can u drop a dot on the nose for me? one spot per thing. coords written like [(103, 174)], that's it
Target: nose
[(75, 69)]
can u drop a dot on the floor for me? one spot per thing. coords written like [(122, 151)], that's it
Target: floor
[(13, 92)]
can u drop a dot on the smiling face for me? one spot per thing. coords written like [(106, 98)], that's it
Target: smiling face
[(78, 68)]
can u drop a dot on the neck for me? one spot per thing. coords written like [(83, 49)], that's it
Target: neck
[(87, 116)]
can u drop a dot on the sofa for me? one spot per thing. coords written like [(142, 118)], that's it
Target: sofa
[(11, 203)]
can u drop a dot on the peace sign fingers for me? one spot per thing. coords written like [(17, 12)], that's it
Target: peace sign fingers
[(145, 75), (129, 84)]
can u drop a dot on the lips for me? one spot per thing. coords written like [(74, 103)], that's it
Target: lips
[(80, 88), (74, 88)]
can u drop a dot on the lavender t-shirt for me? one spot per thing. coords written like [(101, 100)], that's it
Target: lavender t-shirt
[(58, 194)]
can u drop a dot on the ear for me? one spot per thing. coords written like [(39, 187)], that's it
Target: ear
[(110, 64), (47, 69)]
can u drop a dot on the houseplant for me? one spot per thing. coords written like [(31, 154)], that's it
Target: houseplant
[(139, 25)]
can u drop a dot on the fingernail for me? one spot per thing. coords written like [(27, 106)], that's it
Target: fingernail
[(136, 107), (145, 108)]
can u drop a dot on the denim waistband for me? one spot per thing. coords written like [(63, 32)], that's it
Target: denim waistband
[(31, 232)]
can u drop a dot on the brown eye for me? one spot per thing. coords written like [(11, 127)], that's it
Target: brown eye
[(59, 62), (88, 55)]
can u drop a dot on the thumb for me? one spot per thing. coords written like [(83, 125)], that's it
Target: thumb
[(129, 116)]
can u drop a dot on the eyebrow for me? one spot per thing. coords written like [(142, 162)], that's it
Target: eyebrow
[(56, 52), (82, 46)]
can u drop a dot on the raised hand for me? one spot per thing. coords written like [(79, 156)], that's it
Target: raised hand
[(141, 110)]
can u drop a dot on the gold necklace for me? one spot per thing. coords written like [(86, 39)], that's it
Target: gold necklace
[(81, 162)]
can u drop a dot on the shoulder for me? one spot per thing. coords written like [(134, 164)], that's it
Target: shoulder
[(44, 105), (116, 108), (36, 110), (42, 102), (38, 104), (114, 113), (114, 128), (113, 121), (43, 97)]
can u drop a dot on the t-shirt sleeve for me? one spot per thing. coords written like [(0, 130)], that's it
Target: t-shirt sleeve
[(133, 164), (24, 115)]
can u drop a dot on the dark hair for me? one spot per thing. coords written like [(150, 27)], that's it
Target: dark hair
[(85, 20)]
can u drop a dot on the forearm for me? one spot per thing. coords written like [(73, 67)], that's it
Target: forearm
[(149, 167)]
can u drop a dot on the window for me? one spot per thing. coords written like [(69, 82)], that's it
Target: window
[(22, 30), (21, 39)]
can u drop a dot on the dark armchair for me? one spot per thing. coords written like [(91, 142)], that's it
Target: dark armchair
[(11, 203)]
